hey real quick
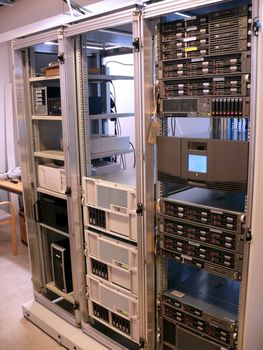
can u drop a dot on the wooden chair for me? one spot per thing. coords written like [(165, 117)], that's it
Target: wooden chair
[(9, 218)]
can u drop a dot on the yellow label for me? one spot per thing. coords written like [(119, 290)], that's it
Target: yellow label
[(124, 266), (189, 49), (154, 131)]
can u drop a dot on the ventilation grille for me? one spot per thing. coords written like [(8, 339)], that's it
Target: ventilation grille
[(169, 332), (107, 196), (223, 186), (190, 341)]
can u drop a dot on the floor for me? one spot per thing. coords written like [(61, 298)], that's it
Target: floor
[(17, 333)]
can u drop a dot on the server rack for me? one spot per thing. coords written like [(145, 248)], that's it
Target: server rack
[(187, 229), (124, 231), (144, 81), (113, 202), (43, 120)]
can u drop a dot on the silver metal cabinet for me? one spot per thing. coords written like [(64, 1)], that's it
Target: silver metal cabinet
[(50, 173), (116, 248), (103, 128), (119, 231), (184, 234)]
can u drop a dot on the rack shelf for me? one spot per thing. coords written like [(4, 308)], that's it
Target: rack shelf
[(50, 154), (44, 78), (54, 229), (46, 117), (51, 193), (110, 116), (69, 297), (105, 77), (110, 153)]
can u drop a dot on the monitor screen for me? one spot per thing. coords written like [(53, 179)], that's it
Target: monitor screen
[(197, 163)]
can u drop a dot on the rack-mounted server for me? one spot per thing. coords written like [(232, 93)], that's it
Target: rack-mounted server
[(110, 205), (204, 228), (203, 304), (111, 307), (204, 65), (112, 261)]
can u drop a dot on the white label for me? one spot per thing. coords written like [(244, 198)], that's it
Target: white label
[(197, 59), (177, 294), (186, 257), (214, 230), (219, 79), (189, 29), (194, 244), (190, 19), (217, 212), (192, 38)]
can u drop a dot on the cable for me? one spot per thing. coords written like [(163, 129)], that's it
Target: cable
[(173, 125), (119, 123), (124, 64), (114, 94), (134, 155), (73, 5)]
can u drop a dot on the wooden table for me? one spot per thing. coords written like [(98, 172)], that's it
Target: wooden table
[(11, 187), (16, 188)]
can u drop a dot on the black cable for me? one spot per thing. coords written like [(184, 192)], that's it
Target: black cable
[(78, 7), (134, 155)]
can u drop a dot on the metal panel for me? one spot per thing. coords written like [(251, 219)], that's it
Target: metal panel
[(250, 312), (65, 334), (106, 21), (143, 67), (35, 39), (20, 61), (70, 139), (169, 6)]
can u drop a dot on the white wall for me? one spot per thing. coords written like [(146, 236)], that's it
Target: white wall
[(26, 17), (25, 12), (4, 74), (124, 97)]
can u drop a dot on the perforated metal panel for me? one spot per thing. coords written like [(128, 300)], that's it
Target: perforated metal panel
[(110, 299), (107, 196), (189, 341), (108, 251)]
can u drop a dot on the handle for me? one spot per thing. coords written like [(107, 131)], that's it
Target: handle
[(36, 211)]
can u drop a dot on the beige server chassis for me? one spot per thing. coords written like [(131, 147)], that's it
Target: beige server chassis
[(139, 274)]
